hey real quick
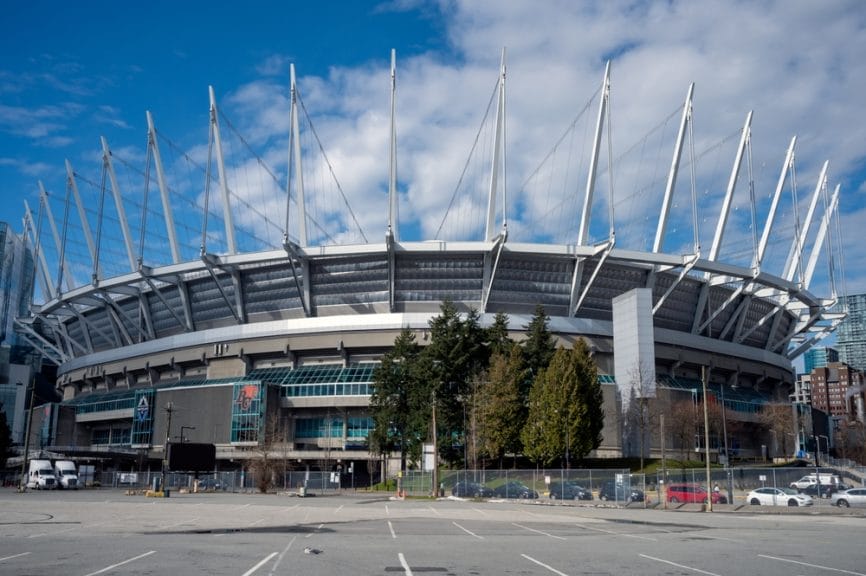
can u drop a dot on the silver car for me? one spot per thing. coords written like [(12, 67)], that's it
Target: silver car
[(851, 497), (769, 496)]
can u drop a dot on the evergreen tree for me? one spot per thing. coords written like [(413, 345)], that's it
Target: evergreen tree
[(456, 354), (398, 401), (497, 335), (5, 438), (566, 416), (497, 409), (538, 348)]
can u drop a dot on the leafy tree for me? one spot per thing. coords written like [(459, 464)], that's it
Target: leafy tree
[(538, 348), (497, 409), (398, 401), (5, 437), (566, 413)]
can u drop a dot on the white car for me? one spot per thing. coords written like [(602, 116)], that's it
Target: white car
[(852, 497), (778, 497)]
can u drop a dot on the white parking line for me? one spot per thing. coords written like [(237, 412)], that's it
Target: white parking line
[(538, 531), (280, 557), (617, 533), (319, 527), (543, 565), (468, 531), (811, 565), (404, 564), (113, 566), (14, 556), (260, 564), (391, 528), (698, 570), (338, 509)]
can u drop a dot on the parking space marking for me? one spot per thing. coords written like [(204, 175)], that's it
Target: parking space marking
[(113, 566), (543, 565), (339, 508), (404, 564), (14, 556), (280, 557), (683, 566), (585, 527), (468, 531), (818, 566), (480, 511), (261, 563), (319, 527), (391, 528), (176, 524), (538, 531)]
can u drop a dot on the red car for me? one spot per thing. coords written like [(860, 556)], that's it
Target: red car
[(692, 493)]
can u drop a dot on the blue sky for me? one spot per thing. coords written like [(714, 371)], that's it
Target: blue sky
[(72, 72)]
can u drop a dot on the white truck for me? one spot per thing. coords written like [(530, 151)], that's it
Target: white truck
[(67, 476), (40, 475), (809, 480)]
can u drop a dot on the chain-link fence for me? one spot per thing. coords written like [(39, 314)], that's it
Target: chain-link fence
[(618, 486)]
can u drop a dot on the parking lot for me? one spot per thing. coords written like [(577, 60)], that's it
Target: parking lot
[(106, 531)]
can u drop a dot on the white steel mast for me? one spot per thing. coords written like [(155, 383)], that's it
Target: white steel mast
[(163, 190), (498, 137), (672, 175), (393, 204), (118, 202), (296, 154), (224, 185)]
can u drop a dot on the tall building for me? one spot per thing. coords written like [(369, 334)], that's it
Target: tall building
[(16, 292), (819, 357), (835, 389), (851, 333), (16, 282)]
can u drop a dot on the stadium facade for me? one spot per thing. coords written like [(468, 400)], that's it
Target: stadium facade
[(238, 347)]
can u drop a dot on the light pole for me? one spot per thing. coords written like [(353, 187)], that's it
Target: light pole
[(182, 428), (827, 440), (23, 482), (706, 436)]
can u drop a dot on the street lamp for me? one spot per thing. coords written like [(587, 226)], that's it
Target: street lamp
[(23, 482), (182, 428)]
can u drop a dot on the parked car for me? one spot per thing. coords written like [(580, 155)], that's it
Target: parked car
[(471, 490), (851, 497), (827, 490), (514, 489), (569, 491), (610, 490), (769, 496), (205, 484), (692, 493)]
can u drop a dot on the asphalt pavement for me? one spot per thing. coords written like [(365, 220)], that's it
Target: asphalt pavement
[(104, 531)]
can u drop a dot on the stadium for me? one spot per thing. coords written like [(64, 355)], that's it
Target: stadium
[(223, 336)]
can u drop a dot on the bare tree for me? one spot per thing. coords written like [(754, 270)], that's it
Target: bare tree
[(850, 440), (642, 414), (778, 419), (265, 461), (682, 423)]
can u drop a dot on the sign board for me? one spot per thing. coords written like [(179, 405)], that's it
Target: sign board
[(191, 457)]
